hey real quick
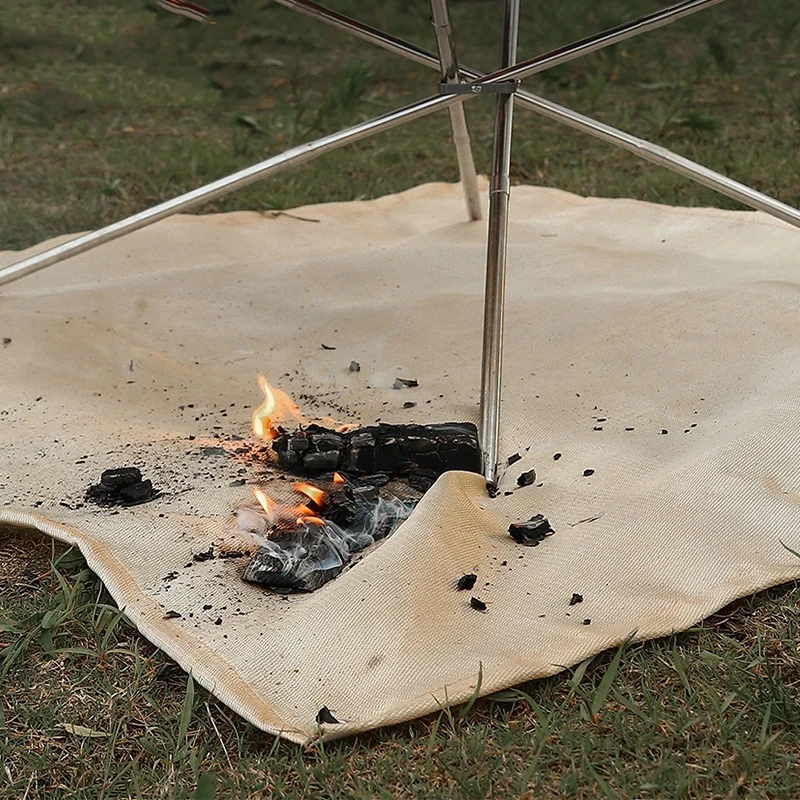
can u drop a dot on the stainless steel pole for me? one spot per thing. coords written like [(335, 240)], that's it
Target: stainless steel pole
[(310, 150), (648, 151), (494, 296), (458, 118)]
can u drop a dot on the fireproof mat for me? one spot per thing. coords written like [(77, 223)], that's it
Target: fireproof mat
[(655, 349)]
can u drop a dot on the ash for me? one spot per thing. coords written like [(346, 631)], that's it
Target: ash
[(305, 555)]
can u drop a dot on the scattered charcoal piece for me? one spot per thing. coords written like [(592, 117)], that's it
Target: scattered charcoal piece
[(218, 621), (532, 532), (404, 383), (630, 429), (208, 555), (492, 490), (556, 456), (324, 717), (588, 472), (602, 419), (527, 478), (137, 493), (514, 458), (6, 341), (354, 367), (121, 487), (207, 607), (575, 599), (664, 431), (327, 347), (170, 576), (597, 428), (120, 478), (237, 482), (233, 554), (173, 615), (409, 404), (478, 605), (586, 622), (466, 581)]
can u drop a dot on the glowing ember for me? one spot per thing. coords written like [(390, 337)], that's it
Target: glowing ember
[(316, 495), (277, 405), (338, 479), (310, 521)]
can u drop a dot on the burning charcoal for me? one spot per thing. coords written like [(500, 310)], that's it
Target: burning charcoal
[(404, 383), (354, 366), (532, 532), (119, 478), (527, 478), (478, 605), (420, 482), (395, 450), (324, 717), (466, 581), (575, 599), (513, 459), (378, 479)]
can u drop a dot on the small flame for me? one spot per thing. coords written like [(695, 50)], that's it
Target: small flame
[(267, 503), (277, 405), (317, 496), (338, 479), (312, 520)]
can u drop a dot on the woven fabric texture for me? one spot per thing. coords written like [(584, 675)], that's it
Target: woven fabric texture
[(657, 347)]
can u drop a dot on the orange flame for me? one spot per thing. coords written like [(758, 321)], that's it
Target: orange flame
[(316, 495), (310, 521), (277, 405), (267, 503), (338, 479)]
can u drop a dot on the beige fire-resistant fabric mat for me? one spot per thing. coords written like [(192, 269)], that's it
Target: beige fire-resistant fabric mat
[(659, 347)]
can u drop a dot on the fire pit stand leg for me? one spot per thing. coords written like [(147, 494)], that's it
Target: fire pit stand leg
[(494, 298), (440, 17)]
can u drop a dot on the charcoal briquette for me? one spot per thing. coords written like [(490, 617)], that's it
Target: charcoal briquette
[(532, 532), (324, 717), (466, 581), (477, 604), (527, 478)]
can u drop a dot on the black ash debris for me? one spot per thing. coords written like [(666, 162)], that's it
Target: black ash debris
[(466, 581), (527, 478), (531, 533)]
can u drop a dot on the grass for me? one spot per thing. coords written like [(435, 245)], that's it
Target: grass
[(106, 108)]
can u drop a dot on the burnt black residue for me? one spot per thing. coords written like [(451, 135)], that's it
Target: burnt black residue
[(532, 532), (575, 599), (324, 717), (527, 478), (478, 605), (466, 581), (123, 486)]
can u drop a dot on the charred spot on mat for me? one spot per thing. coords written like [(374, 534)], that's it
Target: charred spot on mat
[(123, 486), (532, 532), (466, 581), (527, 478), (395, 450), (206, 555), (575, 599), (477, 604)]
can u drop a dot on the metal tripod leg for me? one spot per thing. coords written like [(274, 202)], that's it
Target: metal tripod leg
[(303, 153), (494, 297), (458, 118)]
